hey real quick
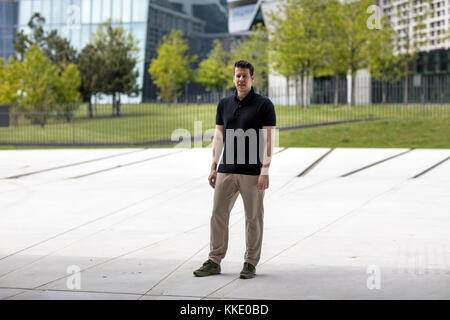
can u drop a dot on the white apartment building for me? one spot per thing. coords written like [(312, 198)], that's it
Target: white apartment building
[(406, 14)]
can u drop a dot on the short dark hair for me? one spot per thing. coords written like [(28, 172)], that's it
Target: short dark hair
[(244, 65)]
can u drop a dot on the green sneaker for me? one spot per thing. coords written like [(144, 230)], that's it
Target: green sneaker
[(248, 271), (208, 268)]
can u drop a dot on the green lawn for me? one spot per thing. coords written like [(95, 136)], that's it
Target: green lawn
[(142, 123), (415, 133)]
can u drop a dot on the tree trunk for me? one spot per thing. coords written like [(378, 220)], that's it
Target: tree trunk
[(405, 89), (287, 91), (383, 92), (118, 106), (306, 94), (296, 91), (113, 104), (90, 108), (302, 93), (336, 90), (352, 88)]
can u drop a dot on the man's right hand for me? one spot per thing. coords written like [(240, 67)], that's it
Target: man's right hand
[(212, 178)]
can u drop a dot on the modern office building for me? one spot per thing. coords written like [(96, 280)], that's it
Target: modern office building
[(8, 26), (147, 20)]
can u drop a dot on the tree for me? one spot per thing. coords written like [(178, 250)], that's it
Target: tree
[(118, 60), (255, 50), (215, 72), (383, 63), (57, 49), (336, 60), (89, 63), (38, 77), (281, 52), (298, 36), (67, 87), (172, 67)]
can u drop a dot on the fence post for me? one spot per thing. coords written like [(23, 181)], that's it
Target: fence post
[(73, 125)]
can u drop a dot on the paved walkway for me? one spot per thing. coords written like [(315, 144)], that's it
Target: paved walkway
[(339, 224)]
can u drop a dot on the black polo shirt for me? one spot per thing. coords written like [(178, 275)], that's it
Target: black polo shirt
[(243, 140)]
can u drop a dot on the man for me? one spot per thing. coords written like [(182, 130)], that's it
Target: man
[(245, 122)]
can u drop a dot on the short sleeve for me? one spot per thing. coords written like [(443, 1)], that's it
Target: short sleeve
[(219, 118), (269, 116)]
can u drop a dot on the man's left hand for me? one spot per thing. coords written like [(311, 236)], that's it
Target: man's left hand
[(263, 182)]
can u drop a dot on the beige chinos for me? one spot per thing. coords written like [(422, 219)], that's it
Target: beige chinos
[(227, 188)]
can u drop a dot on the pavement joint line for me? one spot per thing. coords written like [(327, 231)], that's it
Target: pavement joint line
[(430, 168), (44, 183), (376, 163), (167, 276), (233, 225), (28, 290), (190, 258), (84, 238), (145, 247), (70, 230), (315, 163), (327, 226), (124, 165), (97, 219), (123, 255), (72, 164)]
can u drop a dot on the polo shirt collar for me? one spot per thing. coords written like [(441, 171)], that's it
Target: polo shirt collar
[(247, 98)]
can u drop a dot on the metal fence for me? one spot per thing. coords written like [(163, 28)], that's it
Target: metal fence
[(162, 124)]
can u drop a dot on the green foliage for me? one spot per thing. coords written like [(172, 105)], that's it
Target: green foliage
[(216, 72), (117, 55), (255, 49), (383, 63), (36, 86), (89, 63), (57, 49), (172, 66)]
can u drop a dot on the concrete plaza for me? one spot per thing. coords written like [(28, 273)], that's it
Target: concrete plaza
[(347, 223)]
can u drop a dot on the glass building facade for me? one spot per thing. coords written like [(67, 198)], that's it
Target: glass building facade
[(8, 26), (147, 20)]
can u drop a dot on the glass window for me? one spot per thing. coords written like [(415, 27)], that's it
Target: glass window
[(126, 12), (37, 6), (85, 35), (46, 10), (65, 4), (138, 32), (24, 12), (140, 10), (116, 10), (106, 10), (75, 39), (9, 47), (96, 11), (63, 31), (86, 11), (56, 13)]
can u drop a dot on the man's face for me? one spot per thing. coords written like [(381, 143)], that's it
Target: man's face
[(242, 79)]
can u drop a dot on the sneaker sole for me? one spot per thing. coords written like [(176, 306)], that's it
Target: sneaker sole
[(246, 276), (205, 274)]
